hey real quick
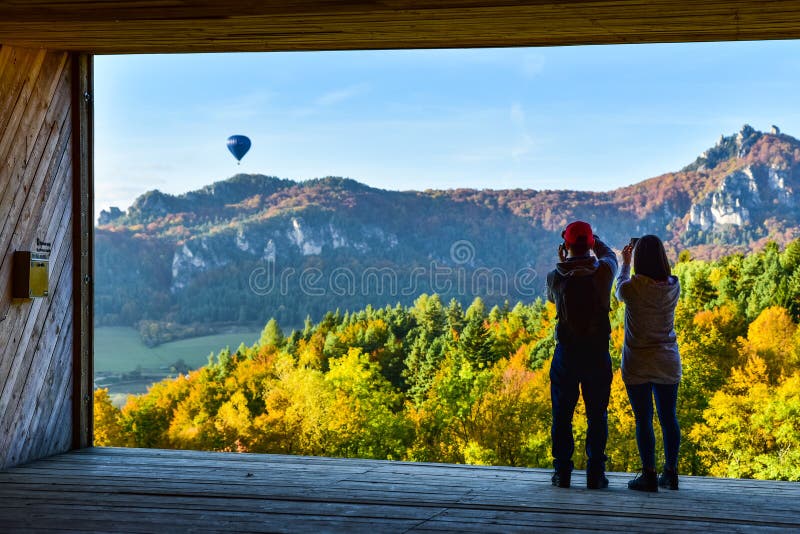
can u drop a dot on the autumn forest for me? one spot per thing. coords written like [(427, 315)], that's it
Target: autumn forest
[(436, 382)]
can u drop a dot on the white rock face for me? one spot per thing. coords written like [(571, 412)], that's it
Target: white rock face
[(241, 241), (730, 204), (310, 240), (777, 183), (297, 236), (376, 232), (184, 262), (742, 194), (269, 251), (725, 212), (337, 239), (699, 216)]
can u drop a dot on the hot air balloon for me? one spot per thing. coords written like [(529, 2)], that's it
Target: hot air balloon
[(238, 145)]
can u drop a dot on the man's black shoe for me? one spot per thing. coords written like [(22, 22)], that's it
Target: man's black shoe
[(561, 479), (596, 480), (646, 481), (668, 479)]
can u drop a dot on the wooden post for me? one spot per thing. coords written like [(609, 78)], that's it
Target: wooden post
[(83, 248)]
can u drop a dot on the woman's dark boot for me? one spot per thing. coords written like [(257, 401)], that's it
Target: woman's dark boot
[(668, 479), (647, 480)]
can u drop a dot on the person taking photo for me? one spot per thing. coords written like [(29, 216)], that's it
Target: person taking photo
[(580, 287), (651, 363)]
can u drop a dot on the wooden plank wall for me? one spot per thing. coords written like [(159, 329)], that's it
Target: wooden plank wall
[(160, 26), (36, 200)]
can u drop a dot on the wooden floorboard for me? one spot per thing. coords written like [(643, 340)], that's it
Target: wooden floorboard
[(141, 490)]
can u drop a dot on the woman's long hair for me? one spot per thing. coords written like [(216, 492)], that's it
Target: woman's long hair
[(650, 259)]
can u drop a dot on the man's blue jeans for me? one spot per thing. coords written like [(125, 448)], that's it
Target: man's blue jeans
[(586, 370), (666, 395)]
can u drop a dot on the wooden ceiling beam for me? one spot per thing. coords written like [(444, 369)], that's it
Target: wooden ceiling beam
[(163, 26)]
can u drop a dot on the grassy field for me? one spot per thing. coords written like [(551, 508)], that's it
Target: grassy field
[(119, 349)]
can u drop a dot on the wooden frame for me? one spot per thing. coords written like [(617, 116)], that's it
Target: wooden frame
[(156, 26), (83, 250), (85, 27)]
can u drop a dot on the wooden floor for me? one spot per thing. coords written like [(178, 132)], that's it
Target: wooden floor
[(142, 490)]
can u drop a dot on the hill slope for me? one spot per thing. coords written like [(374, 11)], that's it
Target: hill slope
[(252, 247)]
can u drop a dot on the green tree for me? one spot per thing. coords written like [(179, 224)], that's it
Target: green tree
[(272, 335), (476, 343)]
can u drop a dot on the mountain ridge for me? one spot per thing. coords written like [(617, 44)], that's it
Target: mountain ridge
[(195, 246), (737, 145)]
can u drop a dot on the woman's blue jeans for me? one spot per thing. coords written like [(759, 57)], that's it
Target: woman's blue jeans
[(666, 397)]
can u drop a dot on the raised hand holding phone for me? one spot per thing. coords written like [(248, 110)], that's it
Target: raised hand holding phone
[(627, 251), (562, 252)]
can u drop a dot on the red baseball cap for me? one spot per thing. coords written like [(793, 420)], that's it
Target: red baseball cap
[(576, 231)]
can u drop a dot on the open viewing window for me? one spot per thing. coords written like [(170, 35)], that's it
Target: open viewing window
[(225, 256)]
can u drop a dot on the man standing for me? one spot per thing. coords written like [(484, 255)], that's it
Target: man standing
[(580, 287)]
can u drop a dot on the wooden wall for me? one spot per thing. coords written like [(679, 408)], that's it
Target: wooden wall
[(36, 200)]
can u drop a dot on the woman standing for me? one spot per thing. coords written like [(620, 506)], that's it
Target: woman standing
[(651, 363)]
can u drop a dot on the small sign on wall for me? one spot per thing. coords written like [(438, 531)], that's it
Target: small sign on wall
[(31, 276)]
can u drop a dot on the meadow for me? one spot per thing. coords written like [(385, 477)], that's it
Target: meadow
[(127, 366)]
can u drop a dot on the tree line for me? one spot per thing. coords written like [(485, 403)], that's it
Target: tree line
[(436, 382)]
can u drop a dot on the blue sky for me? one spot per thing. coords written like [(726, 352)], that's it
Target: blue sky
[(588, 117)]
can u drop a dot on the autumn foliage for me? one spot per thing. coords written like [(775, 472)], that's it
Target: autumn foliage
[(434, 382)]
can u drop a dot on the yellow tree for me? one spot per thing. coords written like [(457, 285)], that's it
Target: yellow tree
[(107, 429), (728, 440), (234, 423), (622, 452), (771, 337), (509, 422), (146, 418), (708, 354), (781, 416), (366, 414), (296, 411)]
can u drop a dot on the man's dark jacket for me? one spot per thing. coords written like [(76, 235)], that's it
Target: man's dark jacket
[(602, 268)]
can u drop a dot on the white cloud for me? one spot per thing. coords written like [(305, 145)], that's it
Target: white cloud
[(329, 99), (340, 95), (524, 146), (532, 65), (245, 106), (517, 115), (523, 61), (525, 142)]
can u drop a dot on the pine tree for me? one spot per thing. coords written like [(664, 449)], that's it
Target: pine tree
[(308, 327), (272, 335), (476, 310), (476, 343), (422, 363), (455, 316)]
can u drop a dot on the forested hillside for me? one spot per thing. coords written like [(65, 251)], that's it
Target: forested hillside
[(435, 382), (252, 247)]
